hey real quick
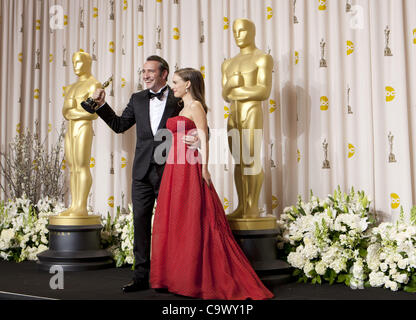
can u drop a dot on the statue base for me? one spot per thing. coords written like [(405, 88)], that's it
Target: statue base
[(260, 248), (86, 220), (75, 245), (260, 223)]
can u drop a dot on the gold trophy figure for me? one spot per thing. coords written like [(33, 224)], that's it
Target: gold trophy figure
[(79, 135), (246, 82), (75, 236)]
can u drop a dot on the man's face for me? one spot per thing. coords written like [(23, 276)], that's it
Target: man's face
[(152, 77), (243, 34), (80, 66)]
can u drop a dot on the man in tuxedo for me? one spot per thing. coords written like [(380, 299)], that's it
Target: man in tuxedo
[(149, 110)]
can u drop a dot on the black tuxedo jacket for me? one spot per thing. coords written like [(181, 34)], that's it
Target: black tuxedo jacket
[(137, 112)]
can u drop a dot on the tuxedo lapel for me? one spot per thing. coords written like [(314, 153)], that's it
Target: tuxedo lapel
[(145, 120), (170, 108)]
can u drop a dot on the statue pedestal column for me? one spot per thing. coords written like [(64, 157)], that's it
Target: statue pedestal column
[(74, 244), (258, 239)]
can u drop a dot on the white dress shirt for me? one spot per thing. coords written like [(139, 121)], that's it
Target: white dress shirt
[(157, 107)]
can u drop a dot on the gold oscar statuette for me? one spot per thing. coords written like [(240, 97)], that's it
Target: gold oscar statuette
[(78, 143), (90, 105), (246, 83)]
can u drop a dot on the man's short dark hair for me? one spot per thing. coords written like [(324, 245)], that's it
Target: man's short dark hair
[(163, 65)]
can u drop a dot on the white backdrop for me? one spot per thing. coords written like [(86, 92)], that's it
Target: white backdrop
[(308, 104)]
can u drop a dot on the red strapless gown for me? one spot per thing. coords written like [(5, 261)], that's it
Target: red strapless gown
[(194, 252)]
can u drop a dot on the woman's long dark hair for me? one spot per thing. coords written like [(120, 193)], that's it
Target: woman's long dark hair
[(197, 88)]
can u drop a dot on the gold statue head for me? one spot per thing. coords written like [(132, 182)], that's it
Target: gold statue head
[(244, 32), (81, 62)]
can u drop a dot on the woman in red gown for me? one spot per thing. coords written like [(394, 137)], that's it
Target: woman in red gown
[(194, 252)]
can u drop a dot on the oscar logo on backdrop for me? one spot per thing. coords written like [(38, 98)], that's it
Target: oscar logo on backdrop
[(74, 235), (246, 83)]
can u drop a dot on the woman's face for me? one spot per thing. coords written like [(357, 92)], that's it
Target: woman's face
[(179, 86)]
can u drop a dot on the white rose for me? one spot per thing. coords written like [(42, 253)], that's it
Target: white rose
[(392, 265), (310, 252), (4, 255), (3, 245), (308, 268), (7, 235), (376, 279), (383, 267), (397, 257), (320, 268), (402, 263), (392, 285), (338, 265), (41, 248), (296, 260), (363, 225), (356, 284), (129, 260), (393, 270), (357, 270)]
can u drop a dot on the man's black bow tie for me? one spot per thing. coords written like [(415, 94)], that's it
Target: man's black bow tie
[(158, 95)]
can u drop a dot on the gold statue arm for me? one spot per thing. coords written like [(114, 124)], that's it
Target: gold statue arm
[(75, 112), (226, 84), (235, 89)]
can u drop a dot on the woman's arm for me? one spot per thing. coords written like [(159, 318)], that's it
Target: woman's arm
[(200, 118)]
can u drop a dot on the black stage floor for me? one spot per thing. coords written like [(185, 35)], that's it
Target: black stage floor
[(24, 281)]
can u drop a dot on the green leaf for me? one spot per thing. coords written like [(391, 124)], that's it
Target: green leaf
[(329, 212), (413, 216), (341, 278), (295, 210), (291, 217), (119, 261), (332, 276), (348, 279), (363, 252), (411, 289), (302, 212), (401, 219)]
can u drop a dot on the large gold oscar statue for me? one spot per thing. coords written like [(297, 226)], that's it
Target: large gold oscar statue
[(74, 235), (78, 142), (246, 82)]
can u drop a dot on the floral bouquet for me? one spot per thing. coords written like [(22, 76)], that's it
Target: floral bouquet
[(328, 239), (23, 232), (117, 236), (391, 255)]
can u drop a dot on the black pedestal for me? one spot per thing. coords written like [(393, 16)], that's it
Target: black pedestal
[(260, 248), (75, 248)]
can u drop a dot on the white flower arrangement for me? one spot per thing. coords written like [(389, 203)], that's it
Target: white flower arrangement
[(327, 239), (23, 232), (391, 254), (117, 236)]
